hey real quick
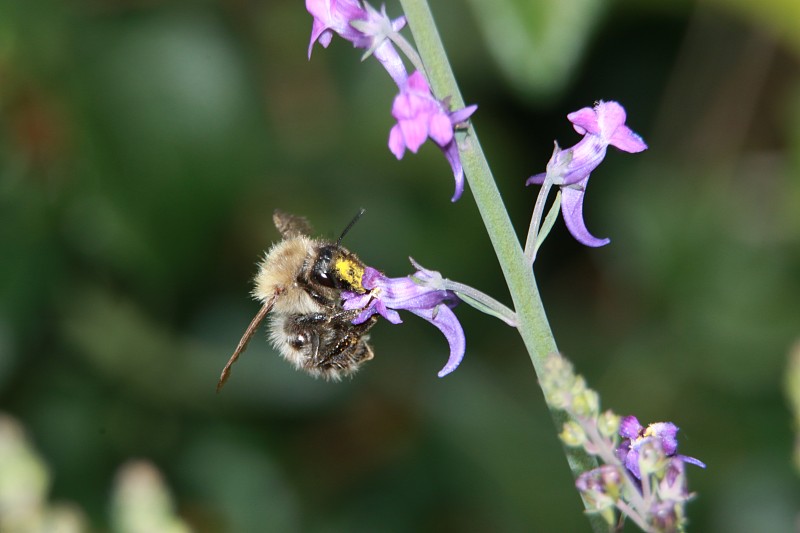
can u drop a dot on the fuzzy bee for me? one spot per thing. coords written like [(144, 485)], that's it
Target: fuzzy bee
[(299, 284)]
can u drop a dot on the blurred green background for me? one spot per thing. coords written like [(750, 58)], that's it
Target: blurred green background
[(144, 145)]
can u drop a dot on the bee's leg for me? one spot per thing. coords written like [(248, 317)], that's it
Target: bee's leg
[(345, 344), (318, 297), (348, 315)]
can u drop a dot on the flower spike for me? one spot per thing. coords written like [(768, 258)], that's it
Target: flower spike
[(635, 436)]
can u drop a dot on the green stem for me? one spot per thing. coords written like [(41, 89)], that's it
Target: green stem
[(532, 321), (536, 219), (481, 301)]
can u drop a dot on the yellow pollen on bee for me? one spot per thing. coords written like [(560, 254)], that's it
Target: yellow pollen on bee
[(352, 273)]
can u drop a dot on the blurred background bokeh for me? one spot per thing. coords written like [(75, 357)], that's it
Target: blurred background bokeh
[(144, 145)]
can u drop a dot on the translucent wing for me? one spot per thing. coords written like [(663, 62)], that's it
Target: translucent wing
[(291, 225)]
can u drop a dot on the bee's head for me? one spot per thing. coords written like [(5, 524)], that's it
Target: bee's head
[(338, 267)]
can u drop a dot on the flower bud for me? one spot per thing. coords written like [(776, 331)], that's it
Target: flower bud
[(573, 434), (608, 424)]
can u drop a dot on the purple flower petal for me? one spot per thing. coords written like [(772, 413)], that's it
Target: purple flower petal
[(692, 460), (441, 130), (572, 211), (627, 141), (415, 133), (610, 116), (630, 428), (451, 154), (584, 121), (536, 179), (397, 144), (461, 115), (321, 34), (632, 463), (445, 319), (418, 83), (667, 433)]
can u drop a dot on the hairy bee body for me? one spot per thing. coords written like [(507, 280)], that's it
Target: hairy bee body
[(300, 283)]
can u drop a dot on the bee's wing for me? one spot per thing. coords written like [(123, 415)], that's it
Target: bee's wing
[(291, 225), (251, 329)]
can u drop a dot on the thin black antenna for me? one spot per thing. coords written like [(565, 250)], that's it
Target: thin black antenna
[(350, 225)]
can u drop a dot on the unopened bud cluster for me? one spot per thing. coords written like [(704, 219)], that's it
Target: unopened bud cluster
[(641, 476)]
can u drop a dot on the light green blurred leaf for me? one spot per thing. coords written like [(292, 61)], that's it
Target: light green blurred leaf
[(781, 17), (24, 484), (792, 385), (141, 502), (537, 44), (24, 480)]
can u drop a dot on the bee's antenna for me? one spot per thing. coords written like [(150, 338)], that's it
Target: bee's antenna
[(350, 225)]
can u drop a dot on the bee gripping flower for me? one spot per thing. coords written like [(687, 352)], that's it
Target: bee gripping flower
[(634, 436), (601, 126), (419, 115), (418, 294)]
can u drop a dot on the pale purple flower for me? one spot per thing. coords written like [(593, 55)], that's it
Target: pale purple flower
[(601, 486), (673, 485), (363, 26), (601, 126), (419, 116), (334, 16), (416, 293), (634, 435)]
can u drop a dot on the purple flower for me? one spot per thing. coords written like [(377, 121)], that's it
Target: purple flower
[(419, 116), (600, 487), (416, 293), (365, 27), (334, 16), (673, 485), (601, 126), (634, 435)]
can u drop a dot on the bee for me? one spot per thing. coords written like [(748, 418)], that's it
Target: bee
[(299, 284)]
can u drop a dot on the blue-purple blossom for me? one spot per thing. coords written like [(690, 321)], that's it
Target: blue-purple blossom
[(416, 293), (419, 116), (365, 27), (601, 126), (634, 435)]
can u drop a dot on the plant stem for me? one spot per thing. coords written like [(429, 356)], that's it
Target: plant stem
[(489, 305), (532, 322), (536, 220)]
